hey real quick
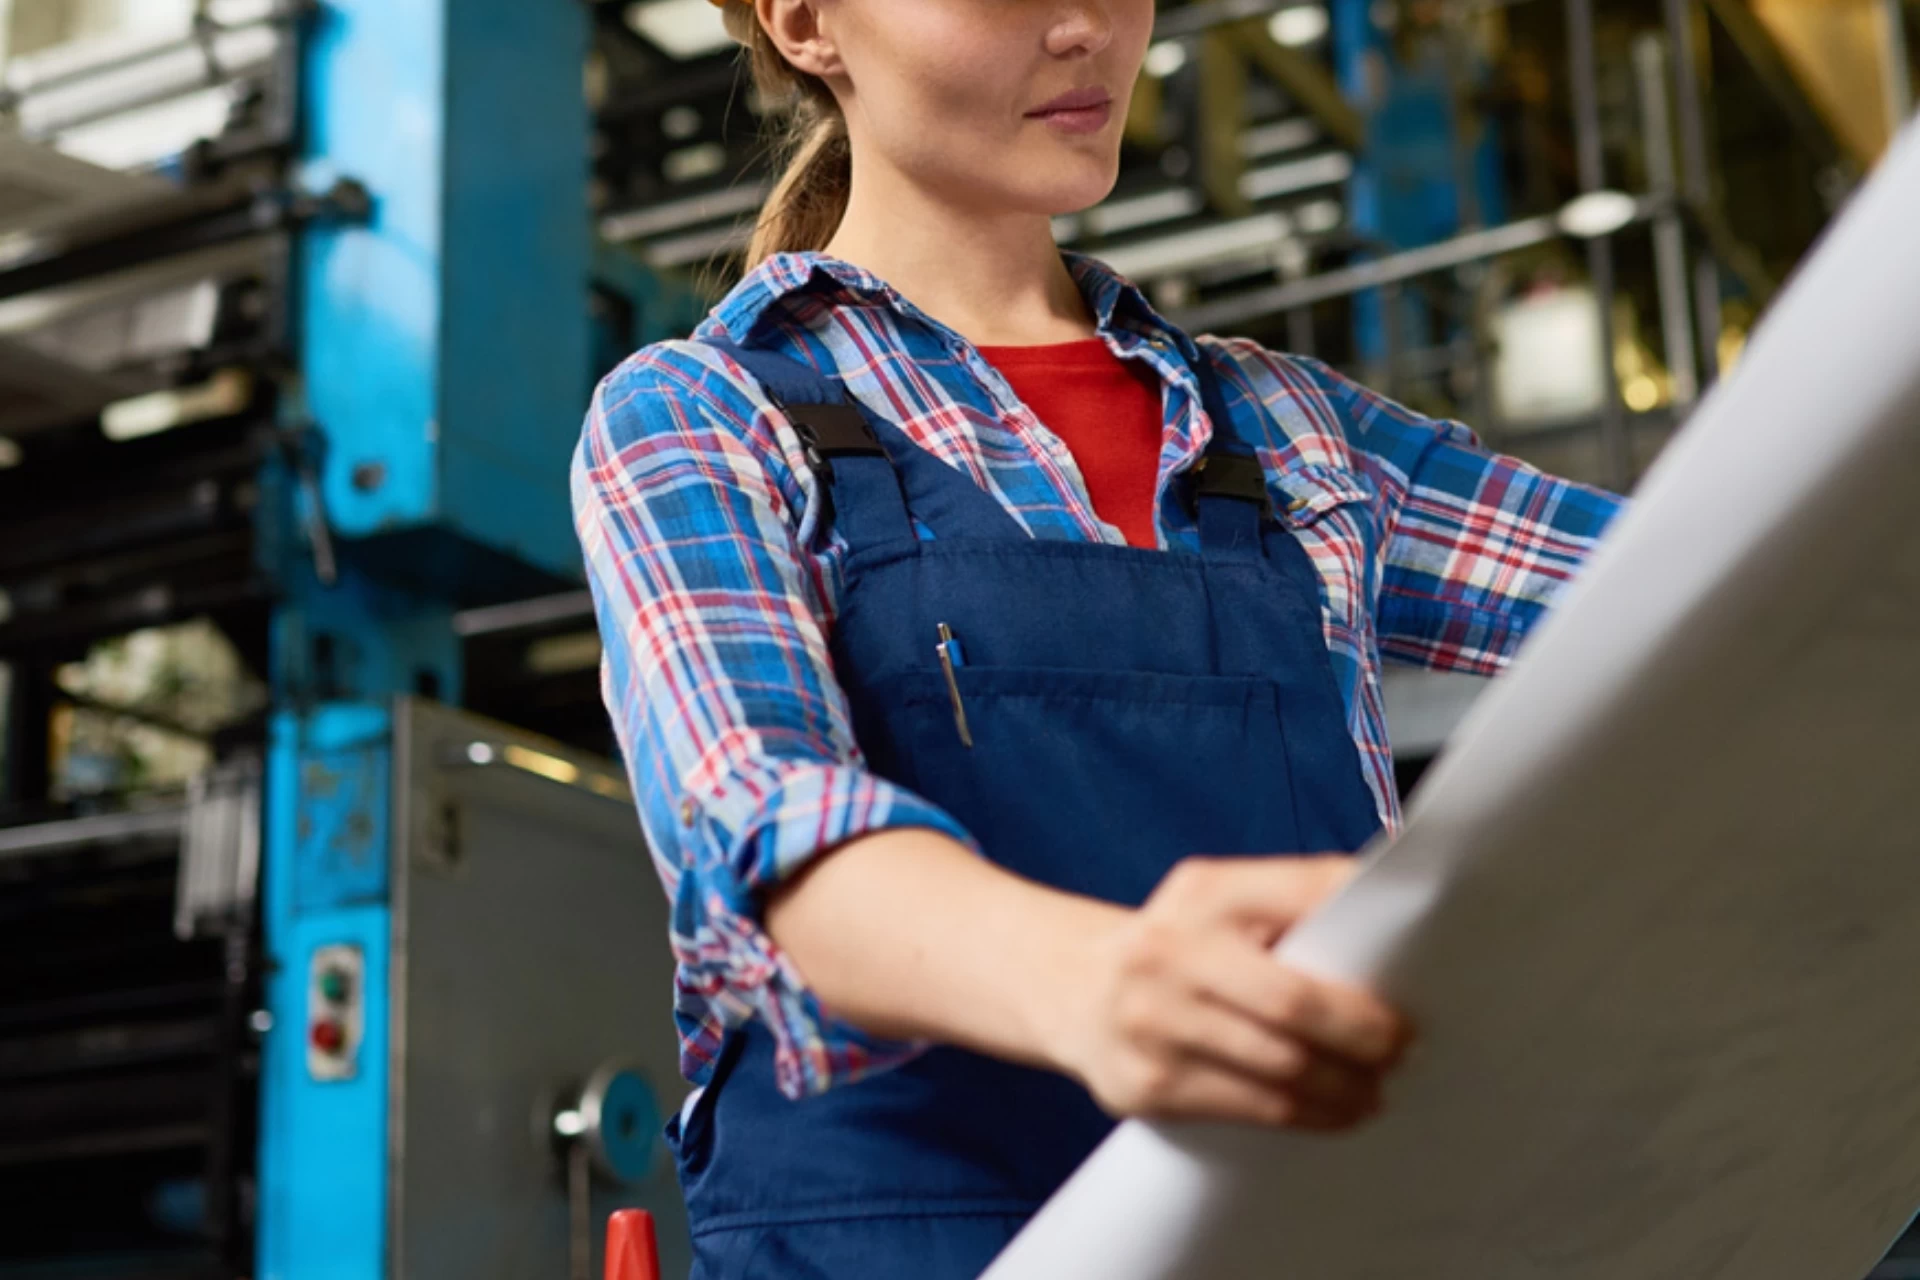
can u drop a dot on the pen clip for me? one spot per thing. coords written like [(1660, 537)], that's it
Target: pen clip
[(948, 651)]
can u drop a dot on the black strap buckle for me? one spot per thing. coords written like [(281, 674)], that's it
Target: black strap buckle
[(831, 431), (1230, 475)]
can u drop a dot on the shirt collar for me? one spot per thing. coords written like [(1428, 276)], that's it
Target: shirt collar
[(1121, 311)]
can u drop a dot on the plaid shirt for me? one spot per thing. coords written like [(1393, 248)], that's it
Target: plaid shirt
[(716, 588)]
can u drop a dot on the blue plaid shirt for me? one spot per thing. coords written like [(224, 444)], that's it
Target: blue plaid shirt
[(716, 588)]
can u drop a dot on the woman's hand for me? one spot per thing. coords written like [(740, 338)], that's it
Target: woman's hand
[(1174, 1010), (1184, 1013)]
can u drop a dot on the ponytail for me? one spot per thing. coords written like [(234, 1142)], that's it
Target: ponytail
[(810, 197)]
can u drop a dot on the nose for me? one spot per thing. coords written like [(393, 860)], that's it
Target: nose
[(1082, 28)]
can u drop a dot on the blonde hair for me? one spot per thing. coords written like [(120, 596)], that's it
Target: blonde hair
[(810, 146)]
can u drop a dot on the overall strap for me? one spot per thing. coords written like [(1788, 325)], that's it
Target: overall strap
[(1227, 484), (843, 449), (846, 445)]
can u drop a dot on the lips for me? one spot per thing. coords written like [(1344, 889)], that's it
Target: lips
[(1088, 99)]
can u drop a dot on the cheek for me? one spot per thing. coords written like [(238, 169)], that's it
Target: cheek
[(946, 107), (947, 111), (1130, 50), (945, 81)]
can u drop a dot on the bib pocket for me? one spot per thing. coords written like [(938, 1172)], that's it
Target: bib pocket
[(1085, 780)]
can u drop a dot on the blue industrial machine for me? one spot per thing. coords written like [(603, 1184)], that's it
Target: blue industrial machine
[(388, 992), (468, 1057)]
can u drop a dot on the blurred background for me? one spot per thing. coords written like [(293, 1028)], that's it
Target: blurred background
[(328, 944)]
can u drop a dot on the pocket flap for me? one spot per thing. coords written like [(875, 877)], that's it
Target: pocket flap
[(1310, 490)]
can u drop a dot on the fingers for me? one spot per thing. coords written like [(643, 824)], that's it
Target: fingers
[(1334, 1017), (1269, 894), (1220, 1037), (1193, 1017), (1201, 1091)]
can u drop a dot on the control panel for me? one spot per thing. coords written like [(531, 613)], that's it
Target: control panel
[(336, 1012)]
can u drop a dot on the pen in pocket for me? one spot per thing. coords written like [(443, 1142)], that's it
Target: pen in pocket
[(948, 651)]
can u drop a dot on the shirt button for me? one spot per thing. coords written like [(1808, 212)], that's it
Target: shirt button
[(686, 812), (1296, 506)]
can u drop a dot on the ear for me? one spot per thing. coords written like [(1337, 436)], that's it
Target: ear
[(798, 31)]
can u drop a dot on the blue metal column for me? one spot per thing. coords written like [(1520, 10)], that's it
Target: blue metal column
[(1360, 64), (1407, 185), (444, 359), (323, 1145), (445, 345)]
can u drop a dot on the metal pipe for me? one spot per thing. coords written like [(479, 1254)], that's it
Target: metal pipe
[(520, 615), (1584, 90), (1584, 84), (1696, 184), (1476, 246), (1899, 77), (280, 15), (1669, 235), (80, 833), (579, 1213)]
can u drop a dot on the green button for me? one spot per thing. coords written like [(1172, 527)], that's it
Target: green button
[(334, 985)]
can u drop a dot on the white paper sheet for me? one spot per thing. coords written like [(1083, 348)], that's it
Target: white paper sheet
[(1658, 909)]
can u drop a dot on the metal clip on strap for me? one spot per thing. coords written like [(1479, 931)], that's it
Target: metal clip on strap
[(1230, 475), (831, 431)]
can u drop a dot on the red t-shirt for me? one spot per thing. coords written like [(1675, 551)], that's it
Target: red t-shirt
[(1107, 411)]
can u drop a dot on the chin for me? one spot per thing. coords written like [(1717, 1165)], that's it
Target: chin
[(1066, 191), (1077, 202)]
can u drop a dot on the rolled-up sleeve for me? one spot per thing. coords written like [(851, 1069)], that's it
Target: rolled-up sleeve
[(1474, 546), (716, 672)]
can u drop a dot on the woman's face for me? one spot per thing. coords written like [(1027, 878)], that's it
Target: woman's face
[(953, 94)]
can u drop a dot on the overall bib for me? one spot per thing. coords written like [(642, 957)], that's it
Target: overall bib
[(1124, 707)]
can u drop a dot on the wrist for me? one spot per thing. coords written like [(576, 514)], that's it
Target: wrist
[(1057, 1006)]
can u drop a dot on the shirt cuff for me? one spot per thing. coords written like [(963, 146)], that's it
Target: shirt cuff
[(1450, 636), (811, 810)]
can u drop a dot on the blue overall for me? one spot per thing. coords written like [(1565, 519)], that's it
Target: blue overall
[(1126, 707)]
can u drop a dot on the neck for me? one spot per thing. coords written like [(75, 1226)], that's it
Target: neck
[(994, 277)]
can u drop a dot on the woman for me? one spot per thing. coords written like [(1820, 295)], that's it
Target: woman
[(945, 710)]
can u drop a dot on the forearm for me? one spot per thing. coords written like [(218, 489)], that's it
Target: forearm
[(1174, 1010), (908, 934)]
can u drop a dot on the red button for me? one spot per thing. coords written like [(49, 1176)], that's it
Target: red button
[(328, 1036)]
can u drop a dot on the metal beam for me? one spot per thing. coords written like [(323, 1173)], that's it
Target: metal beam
[(1696, 181), (1584, 78), (1305, 79), (1669, 231), (1756, 44), (1222, 84)]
